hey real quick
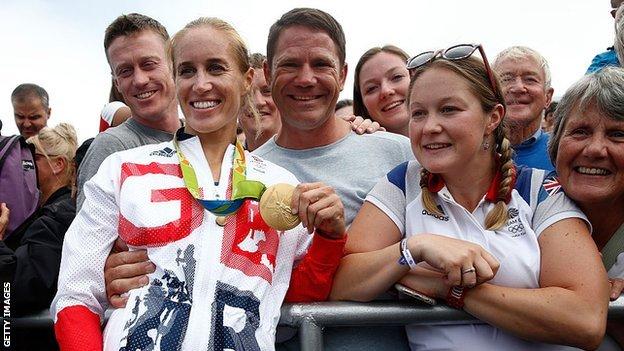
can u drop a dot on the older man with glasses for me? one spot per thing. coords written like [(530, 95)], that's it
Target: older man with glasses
[(525, 82)]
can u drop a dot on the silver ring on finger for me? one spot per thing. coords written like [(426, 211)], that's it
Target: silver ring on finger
[(469, 270)]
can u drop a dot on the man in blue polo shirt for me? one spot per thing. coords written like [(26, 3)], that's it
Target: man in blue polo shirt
[(525, 81)]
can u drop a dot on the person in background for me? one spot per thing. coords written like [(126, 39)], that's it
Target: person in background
[(256, 133), (135, 47), (344, 108), (115, 112), (614, 55), (31, 108), (588, 148), (549, 115), (380, 87), (469, 190), (31, 255), (525, 81)]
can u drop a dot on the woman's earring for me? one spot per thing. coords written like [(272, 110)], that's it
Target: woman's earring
[(485, 144)]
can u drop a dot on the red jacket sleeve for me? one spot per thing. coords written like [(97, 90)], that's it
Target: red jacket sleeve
[(77, 328), (312, 278)]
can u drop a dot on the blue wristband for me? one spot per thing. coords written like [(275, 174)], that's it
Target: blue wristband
[(406, 255)]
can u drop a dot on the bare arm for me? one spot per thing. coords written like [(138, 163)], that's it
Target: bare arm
[(372, 252), (371, 264), (570, 307)]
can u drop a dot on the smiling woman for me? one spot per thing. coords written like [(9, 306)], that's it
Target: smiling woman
[(588, 149), (588, 146), (380, 88)]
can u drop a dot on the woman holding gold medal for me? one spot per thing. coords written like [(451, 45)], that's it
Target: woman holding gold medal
[(223, 236)]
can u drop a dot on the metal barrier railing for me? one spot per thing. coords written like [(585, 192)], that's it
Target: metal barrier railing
[(312, 318)]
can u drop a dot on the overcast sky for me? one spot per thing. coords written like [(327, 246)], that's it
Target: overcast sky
[(58, 44)]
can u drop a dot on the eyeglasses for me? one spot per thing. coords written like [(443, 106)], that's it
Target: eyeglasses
[(453, 53)]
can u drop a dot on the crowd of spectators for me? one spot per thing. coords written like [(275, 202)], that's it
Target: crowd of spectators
[(446, 175)]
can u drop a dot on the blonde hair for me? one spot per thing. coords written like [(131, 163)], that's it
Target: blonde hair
[(60, 141), (237, 45), (473, 71)]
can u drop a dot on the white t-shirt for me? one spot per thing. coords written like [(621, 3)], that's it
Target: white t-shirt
[(537, 201)]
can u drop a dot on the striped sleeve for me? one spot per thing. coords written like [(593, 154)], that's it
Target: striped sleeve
[(389, 195), (553, 205)]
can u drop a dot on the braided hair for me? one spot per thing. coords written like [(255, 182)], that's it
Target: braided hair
[(473, 71)]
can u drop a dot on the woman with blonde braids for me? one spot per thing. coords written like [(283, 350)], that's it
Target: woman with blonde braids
[(543, 285), (31, 255)]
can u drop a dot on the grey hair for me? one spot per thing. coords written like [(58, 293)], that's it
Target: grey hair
[(29, 90), (522, 52), (603, 90)]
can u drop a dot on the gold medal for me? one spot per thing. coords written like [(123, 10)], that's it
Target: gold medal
[(220, 220), (275, 207)]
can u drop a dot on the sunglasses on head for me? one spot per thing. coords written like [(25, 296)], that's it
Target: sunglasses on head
[(456, 52)]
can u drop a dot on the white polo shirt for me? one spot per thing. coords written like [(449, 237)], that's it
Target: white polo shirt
[(537, 202)]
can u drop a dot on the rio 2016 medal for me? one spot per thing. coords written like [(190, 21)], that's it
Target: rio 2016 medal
[(220, 220), (275, 207)]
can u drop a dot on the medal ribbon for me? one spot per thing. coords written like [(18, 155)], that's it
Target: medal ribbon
[(241, 187)]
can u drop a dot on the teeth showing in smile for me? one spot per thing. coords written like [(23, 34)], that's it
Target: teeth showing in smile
[(435, 146), (392, 105), (204, 104), (304, 98), (592, 171), (145, 95)]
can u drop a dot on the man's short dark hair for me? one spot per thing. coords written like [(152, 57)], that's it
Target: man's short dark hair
[(28, 91), (310, 18), (130, 24)]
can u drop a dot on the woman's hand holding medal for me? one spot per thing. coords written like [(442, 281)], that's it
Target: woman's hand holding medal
[(319, 208)]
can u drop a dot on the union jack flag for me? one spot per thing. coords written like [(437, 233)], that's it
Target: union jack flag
[(551, 185)]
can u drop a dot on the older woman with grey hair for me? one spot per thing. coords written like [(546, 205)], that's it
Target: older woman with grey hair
[(588, 149)]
